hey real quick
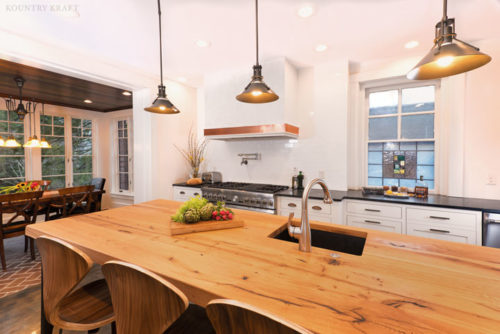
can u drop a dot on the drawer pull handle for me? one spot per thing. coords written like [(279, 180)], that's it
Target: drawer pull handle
[(440, 231), (318, 208), (182, 193), (440, 218), (196, 194), (292, 205), (372, 222), (372, 210)]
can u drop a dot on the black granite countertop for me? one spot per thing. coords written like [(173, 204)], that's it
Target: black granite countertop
[(433, 200)]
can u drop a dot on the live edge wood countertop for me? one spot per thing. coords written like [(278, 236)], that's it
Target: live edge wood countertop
[(401, 284)]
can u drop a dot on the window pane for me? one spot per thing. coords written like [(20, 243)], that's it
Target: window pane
[(375, 157), (123, 181), (82, 146), (87, 123), (123, 164), (45, 119), (375, 146), (58, 120), (16, 127), (374, 181), (58, 131), (46, 130), (57, 144), (418, 99), (3, 115), (123, 146), (82, 164), (408, 146), (87, 132), (120, 124), (57, 181), (383, 128), (426, 146), (426, 171), (417, 126), (53, 166), (4, 127), (12, 167), (407, 183), (11, 182), (82, 179), (76, 122), (374, 170), (383, 103), (13, 117), (425, 158), (77, 132), (391, 182)]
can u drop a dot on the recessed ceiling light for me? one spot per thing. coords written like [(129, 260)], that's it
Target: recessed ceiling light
[(305, 11), (411, 44), (126, 93), (321, 47), (202, 43), (87, 101), (182, 79)]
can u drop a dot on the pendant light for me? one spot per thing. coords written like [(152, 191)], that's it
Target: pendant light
[(257, 91), (2, 142), (33, 141), (12, 142), (162, 104), (449, 55)]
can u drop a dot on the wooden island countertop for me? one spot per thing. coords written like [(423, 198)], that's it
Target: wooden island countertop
[(401, 284)]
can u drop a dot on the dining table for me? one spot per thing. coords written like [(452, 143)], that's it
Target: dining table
[(399, 283)]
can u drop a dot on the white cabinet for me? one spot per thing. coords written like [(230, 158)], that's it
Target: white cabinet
[(375, 215), (317, 209), (185, 193), (445, 224), (375, 223)]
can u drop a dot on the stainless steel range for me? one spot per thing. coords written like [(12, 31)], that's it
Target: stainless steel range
[(247, 196)]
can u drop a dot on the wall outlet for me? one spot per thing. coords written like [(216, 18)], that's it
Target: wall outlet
[(321, 174), (492, 180)]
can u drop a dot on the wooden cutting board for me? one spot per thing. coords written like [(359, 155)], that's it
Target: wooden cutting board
[(203, 226)]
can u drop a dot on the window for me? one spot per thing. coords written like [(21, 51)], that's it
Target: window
[(81, 130), (401, 137), (123, 174), (53, 159), (12, 161)]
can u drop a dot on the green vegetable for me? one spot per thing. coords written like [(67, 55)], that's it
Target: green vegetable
[(192, 216), (206, 211), (194, 203)]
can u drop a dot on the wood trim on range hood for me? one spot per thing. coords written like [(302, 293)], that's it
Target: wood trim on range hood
[(255, 131)]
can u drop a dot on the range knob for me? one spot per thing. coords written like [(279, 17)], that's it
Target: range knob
[(235, 198)]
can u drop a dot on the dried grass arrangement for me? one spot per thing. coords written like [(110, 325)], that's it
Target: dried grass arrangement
[(194, 153)]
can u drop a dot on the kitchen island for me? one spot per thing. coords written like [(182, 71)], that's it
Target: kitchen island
[(400, 283)]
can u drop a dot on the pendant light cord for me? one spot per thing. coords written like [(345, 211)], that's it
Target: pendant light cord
[(257, 32), (161, 54)]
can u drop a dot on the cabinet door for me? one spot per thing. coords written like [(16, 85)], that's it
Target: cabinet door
[(371, 208), (449, 233), (184, 193), (375, 224)]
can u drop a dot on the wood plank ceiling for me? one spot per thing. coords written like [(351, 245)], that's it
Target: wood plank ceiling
[(58, 89)]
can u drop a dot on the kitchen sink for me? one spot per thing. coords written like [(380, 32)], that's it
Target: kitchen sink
[(339, 242)]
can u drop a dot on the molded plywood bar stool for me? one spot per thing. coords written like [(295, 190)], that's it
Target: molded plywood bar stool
[(146, 303), (233, 317), (63, 267)]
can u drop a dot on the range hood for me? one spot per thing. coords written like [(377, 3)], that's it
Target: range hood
[(226, 118), (255, 131)]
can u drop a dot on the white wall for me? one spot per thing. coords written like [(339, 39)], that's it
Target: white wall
[(322, 144), (468, 136)]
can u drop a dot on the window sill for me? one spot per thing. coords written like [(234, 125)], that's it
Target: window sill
[(118, 194)]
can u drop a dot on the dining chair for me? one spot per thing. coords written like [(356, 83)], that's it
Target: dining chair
[(146, 303), (98, 183), (66, 306), (73, 201), (23, 209), (234, 317)]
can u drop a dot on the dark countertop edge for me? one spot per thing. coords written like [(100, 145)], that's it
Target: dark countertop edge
[(440, 201), (184, 184)]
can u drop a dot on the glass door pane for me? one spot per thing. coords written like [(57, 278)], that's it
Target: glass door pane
[(82, 151)]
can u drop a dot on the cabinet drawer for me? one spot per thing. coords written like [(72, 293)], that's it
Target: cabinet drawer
[(375, 224), (312, 217), (314, 206), (181, 193), (378, 210), (442, 218), (450, 233)]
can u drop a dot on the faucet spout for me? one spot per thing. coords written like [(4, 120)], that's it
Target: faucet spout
[(303, 233)]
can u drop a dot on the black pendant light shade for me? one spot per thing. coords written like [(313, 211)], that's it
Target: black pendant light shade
[(257, 91), (162, 104), (449, 55)]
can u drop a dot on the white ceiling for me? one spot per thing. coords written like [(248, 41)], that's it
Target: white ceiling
[(361, 30)]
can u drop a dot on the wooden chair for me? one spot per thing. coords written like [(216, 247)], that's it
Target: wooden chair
[(146, 303), (233, 317), (63, 268), (74, 200), (24, 206), (98, 183)]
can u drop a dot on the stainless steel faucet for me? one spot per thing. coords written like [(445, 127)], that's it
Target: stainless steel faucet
[(303, 233)]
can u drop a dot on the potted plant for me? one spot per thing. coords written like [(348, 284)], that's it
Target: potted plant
[(194, 154)]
